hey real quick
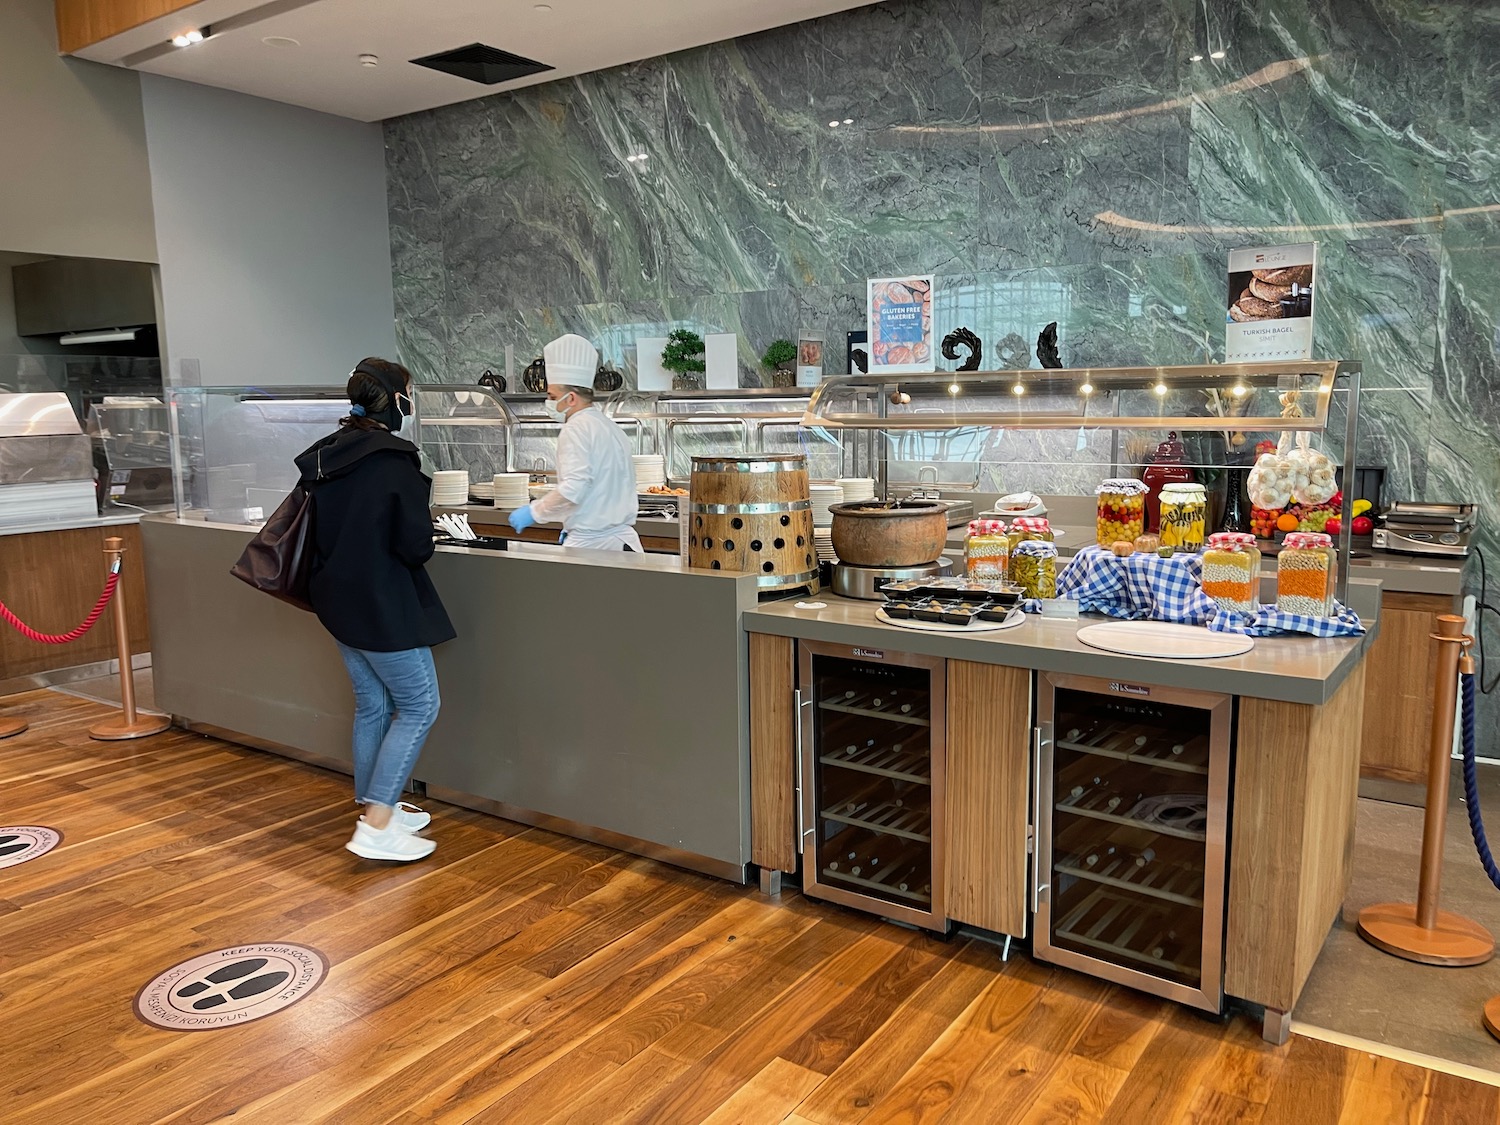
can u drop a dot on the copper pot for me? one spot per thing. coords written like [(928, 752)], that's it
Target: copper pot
[(889, 533)]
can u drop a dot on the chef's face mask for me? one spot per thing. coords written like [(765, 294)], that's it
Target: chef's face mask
[(556, 405)]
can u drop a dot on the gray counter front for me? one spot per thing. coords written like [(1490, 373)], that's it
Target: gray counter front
[(601, 694)]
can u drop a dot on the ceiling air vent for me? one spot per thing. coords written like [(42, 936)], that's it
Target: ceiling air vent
[(480, 63)]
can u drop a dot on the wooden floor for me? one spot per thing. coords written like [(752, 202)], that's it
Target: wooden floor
[(522, 977)]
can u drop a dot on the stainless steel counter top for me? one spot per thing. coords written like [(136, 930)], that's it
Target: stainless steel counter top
[(1292, 669), (485, 513)]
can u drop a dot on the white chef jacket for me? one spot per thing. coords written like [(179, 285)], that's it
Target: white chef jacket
[(595, 498)]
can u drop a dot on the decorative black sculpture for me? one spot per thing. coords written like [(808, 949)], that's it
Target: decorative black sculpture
[(861, 360), (496, 382), (534, 378), (1046, 347), (963, 338), (607, 379), (1012, 354)]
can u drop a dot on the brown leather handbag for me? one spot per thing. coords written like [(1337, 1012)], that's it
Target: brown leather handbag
[(278, 560)]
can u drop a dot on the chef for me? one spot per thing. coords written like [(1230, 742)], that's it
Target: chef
[(595, 498)]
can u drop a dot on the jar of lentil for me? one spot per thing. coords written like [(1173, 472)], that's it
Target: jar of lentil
[(986, 551), (1184, 516), (1122, 511), (1033, 567), (1025, 528), (1231, 571), (1306, 571)]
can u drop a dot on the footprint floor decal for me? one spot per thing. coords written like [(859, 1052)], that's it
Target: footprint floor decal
[(21, 843), (229, 987)]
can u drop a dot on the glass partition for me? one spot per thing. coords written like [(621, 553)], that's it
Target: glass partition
[(133, 452), (465, 428), (234, 446)]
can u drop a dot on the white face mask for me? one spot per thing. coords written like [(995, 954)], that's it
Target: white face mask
[(557, 408)]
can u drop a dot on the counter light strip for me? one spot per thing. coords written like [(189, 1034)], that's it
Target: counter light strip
[(1398, 1054)]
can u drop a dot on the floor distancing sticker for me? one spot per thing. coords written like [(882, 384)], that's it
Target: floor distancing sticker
[(20, 843), (229, 987)]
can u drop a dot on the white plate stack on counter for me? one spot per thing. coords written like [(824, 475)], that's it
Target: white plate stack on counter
[(450, 488), (650, 471), (482, 490), (823, 541), (857, 489), (510, 490), (824, 496)]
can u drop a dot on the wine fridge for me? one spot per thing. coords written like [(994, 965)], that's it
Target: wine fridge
[(1131, 793), (870, 734)]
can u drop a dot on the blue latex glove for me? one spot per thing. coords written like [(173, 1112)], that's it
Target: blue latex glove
[(521, 519)]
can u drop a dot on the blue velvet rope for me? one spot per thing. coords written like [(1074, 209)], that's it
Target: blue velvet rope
[(1471, 786)]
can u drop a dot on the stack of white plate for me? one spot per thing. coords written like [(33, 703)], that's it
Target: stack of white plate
[(650, 471), (823, 541), (482, 490), (857, 488), (824, 496), (510, 490), (450, 488)]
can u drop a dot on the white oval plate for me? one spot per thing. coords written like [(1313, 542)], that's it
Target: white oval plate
[(1163, 640)]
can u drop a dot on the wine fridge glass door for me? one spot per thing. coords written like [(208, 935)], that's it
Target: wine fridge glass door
[(874, 794)]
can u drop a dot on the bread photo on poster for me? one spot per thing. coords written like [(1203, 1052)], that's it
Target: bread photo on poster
[(1270, 294)]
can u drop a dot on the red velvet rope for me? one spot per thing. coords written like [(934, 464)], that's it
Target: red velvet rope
[(72, 635)]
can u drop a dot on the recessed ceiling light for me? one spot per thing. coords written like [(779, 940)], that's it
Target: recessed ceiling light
[(369, 60), (280, 41), (1161, 388), (1018, 389), (543, 8), (187, 38), (1217, 54), (1087, 388)]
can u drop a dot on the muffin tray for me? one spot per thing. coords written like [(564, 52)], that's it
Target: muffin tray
[(949, 611)]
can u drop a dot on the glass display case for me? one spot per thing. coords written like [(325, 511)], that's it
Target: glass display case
[(233, 447), (468, 428), (132, 438), (46, 473), (1062, 431)]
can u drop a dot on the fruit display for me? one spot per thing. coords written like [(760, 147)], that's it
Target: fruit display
[(1121, 510)]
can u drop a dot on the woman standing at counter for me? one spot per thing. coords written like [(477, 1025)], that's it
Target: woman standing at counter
[(373, 533)]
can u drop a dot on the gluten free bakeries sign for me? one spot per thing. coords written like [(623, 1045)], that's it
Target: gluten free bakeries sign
[(232, 986)]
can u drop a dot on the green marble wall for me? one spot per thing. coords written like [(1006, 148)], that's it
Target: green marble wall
[(1065, 162)]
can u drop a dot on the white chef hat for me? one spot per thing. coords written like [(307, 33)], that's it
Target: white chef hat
[(571, 361)]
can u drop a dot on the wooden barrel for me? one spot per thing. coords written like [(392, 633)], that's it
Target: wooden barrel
[(753, 514)]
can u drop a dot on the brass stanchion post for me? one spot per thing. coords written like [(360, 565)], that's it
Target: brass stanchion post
[(1421, 931), (130, 724)]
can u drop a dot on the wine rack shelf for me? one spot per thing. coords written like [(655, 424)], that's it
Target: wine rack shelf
[(1130, 742)]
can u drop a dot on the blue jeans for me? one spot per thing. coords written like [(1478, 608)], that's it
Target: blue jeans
[(395, 705)]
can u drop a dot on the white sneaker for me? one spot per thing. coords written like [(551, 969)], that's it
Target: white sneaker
[(390, 843), (410, 818)]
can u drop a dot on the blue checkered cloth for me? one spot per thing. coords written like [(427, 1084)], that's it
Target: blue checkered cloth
[(1144, 586)]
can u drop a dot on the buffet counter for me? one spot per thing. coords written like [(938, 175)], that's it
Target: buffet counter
[(658, 535), (1292, 705), (551, 713)]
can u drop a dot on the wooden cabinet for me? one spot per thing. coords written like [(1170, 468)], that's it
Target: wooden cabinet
[(989, 729), (1398, 688), (773, 770), (82, 23), (50, 580)]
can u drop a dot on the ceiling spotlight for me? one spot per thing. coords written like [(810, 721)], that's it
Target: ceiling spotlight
[(954, 388), (1018, 389), (187, 39), (1238, 390), (1161, 388), (280, 41), (1086, 389), (1195, 58), (1217, 54)]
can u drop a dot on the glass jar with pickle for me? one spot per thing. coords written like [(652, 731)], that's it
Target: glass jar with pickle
[(1306, 571), (986, 551), (1122, 511), (1033, 567), (1231, 571), (1025, 528), (1184, 516)]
